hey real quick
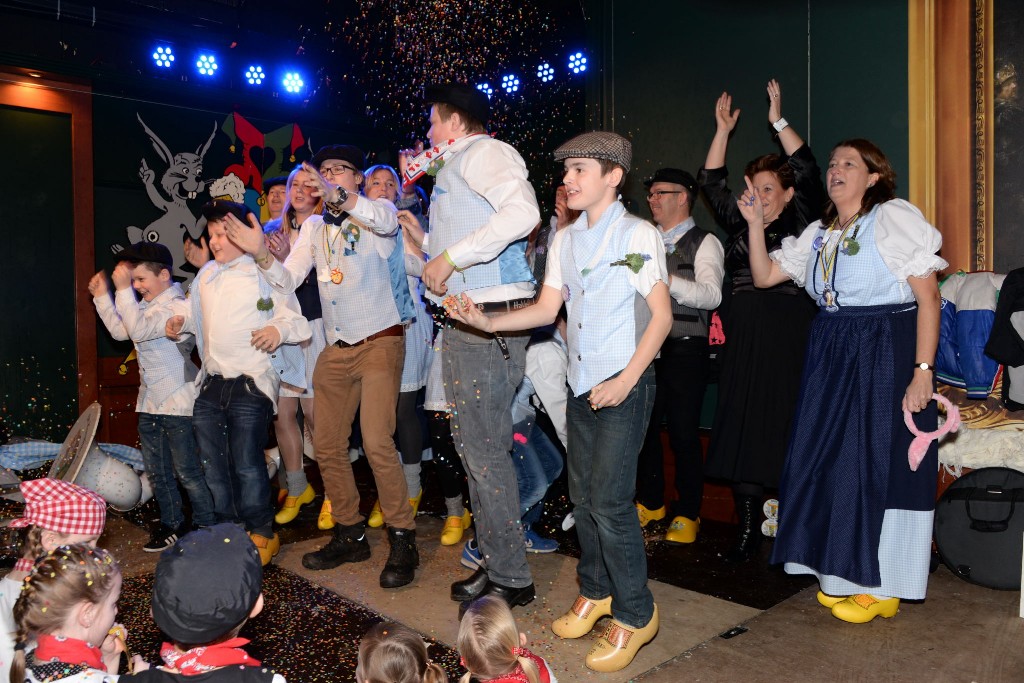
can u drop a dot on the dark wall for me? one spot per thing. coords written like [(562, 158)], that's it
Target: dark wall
[(843, 70)]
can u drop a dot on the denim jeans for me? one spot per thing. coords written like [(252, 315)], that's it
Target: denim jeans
[(230, 419), (538, 463), (169, 453), (603, 449), (480, 384)]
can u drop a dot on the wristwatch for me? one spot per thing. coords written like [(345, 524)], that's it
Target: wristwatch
[(780, 125), (342, 197), (924, 366)]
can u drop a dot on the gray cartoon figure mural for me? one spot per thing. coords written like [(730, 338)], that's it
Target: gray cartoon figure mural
[(180, 182)]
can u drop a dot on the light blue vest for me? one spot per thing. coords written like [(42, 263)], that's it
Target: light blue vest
[(288, 360), (366, 277), (607, 316), (456, 211), (861, 279)]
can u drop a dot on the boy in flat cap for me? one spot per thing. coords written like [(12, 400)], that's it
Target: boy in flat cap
[(356, 250), (167, 389), (247, 337), (696, 267), (481, 213), (608, 268), (207, 586)]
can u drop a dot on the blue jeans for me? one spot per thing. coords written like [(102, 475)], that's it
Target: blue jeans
[(603, 450), (230, 418), (169, 453), (480, 383), (538, 463)]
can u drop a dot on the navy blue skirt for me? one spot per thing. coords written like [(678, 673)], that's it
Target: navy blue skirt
[(847, 460)]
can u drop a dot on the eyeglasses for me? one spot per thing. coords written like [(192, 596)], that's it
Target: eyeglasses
[(657, 193), (338, 170)]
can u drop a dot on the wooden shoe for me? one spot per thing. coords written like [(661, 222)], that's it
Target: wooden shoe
[(860, 609), (580, 620), (290, 508), (325, 521), (682, 530), (415, 502), (647, 516), (618, 646), (267, 547), (830, 601), (453, 528), (376, 518)]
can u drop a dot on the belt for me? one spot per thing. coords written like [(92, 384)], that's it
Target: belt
[(393, 331), (505, 306)]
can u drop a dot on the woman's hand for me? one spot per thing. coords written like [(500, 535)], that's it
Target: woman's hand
[(278, 244), (774, 101), (197, 254), (725, 117), (610, 392), (919, 392), (750, 205), (411, 230), (463, 309)]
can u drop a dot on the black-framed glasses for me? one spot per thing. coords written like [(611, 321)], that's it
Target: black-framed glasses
[(337, 170), (657, 193)]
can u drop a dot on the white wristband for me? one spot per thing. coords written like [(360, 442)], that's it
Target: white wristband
[(780, 125)]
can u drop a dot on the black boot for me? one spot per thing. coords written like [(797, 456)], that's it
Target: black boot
[(348, 544), (403, 560), (748, 509)]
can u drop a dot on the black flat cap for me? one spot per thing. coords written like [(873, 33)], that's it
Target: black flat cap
[(219, 208), (153, 252), (348, 153), (676, 176), (467, 98)]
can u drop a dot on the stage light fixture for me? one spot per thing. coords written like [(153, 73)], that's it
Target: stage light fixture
[(510, 83), (206, 65), (577, 63), (545, 72), (293, 82), (163, 56), (254, 75), (486, 89)]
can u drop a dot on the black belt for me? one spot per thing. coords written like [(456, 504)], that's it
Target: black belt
[(505, 306), (393, 331)]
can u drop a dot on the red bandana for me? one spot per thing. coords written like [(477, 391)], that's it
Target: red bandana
[(69, 651), (24, 565), (202, 659), (517, 675)]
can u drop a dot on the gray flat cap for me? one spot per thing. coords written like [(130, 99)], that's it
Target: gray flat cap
[(597, 145)]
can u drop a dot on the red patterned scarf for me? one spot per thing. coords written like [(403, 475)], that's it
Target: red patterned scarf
[(199, 660)]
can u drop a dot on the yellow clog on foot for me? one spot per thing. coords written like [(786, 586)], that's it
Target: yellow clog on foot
[(830, 601), (682, 530), (290, 508), (325, 521), (454, 526), (860, 609), (376, 518), (618, 646), (647, 515), (580, 620), (267, 547)]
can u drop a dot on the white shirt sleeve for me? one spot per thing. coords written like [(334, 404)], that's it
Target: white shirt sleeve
[(646, 240), (111, 320), (792, 256), (553, 269), (906, 241), (498, 174), (379, 215), (143, 325), (704, 292)]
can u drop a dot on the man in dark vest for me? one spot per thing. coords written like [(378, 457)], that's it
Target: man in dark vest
[(696, 266)]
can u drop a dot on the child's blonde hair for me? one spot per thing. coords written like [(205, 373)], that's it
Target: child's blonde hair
[(392, 653), (59, 581), (489, 642)]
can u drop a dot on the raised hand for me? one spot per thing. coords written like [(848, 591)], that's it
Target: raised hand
[(197, 254), (122, 276), (750, 205), (317, 184), (248, 238), (725, 116), (774, 101), (98, 284), (406, 155)]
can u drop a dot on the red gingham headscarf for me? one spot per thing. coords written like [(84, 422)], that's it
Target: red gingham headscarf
[(59, 506)]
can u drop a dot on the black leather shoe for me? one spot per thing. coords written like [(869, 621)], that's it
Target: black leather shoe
[(748, 509), (347, 544), (403, 560), (471, 588), (513, 597)]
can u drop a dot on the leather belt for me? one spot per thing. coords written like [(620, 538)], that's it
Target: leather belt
[(505, 306), (393, 331)]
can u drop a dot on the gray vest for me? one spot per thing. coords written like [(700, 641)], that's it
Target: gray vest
[(686, 321)]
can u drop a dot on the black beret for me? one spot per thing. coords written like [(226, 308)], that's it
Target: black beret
[(467, 98)]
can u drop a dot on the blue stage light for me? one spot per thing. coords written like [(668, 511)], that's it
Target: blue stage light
[(545, 72), (163, 56), (254, 75), (510, 83), (486, 89), (206, 65), (293, 82), (577, 63)]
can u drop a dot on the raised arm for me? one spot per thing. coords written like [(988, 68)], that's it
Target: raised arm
[(790, 139), (725, 120), (766, 273)]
